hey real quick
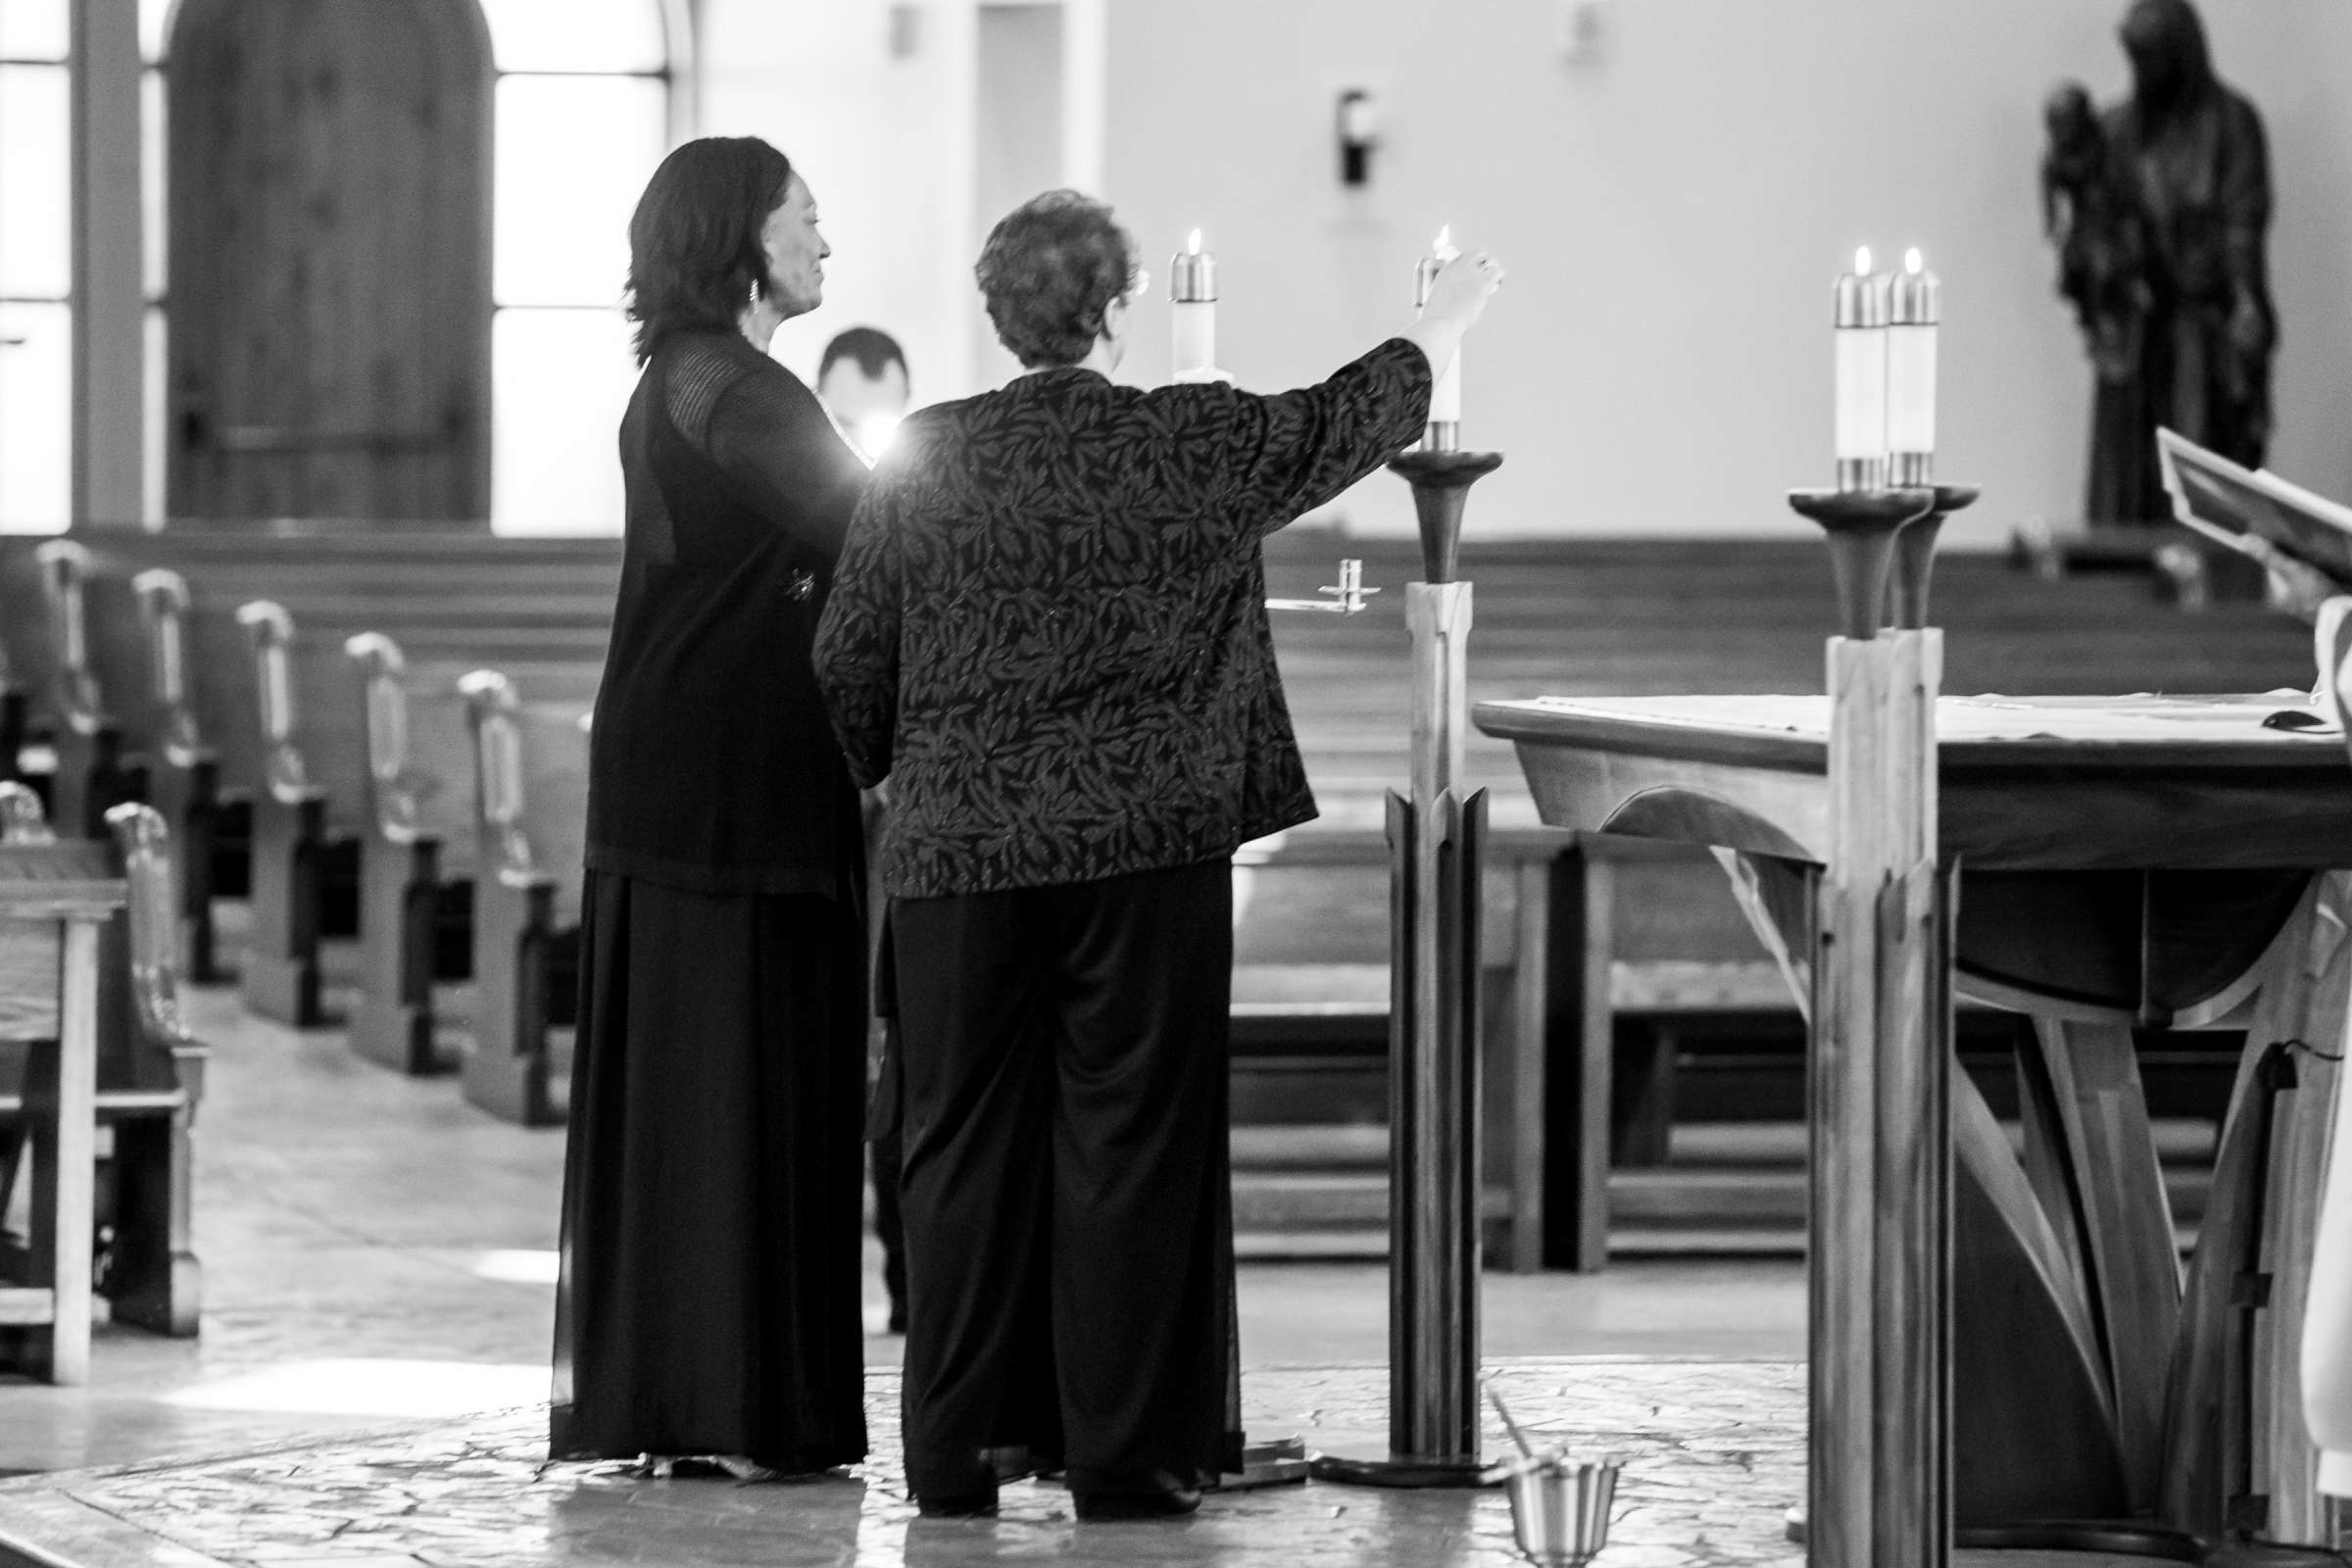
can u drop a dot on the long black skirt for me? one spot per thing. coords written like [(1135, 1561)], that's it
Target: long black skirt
[(709, 1294)]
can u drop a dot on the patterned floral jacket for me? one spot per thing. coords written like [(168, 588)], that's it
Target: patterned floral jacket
[(1047, 627)]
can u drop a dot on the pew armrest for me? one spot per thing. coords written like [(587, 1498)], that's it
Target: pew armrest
[(493, 709), (269, 635), (143, 841), (393, 811), (66, 568), (163, 598)]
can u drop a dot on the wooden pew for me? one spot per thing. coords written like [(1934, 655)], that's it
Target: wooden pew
[(151, 1272), (149, 1072), (280, 978), (177, 766), (84, 733), (16, 707), (531, 823), (1311, 1002), (455, 600), (418, 835), (1704, 615), (319, 788)]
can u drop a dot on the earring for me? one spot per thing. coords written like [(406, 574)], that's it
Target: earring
[(755, 293)]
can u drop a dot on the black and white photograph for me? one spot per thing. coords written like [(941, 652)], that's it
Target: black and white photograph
[(1175, 783)]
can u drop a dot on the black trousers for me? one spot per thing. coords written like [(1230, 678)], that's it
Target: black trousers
[(1066, 1189)]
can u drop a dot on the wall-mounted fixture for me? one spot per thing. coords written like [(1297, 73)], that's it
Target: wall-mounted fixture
[(1581, 30), (1360, 133)]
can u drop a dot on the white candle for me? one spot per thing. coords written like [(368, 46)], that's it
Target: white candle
[(1915, 304), (1445, 390), (1193, 311), (1861, 302)]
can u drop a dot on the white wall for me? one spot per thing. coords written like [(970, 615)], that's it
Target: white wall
[(886, 144), (1671, 218), (1671, 215)]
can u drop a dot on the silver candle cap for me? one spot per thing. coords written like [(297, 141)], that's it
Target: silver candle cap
[(1193, 277), (1915, 295), (1860, 298)]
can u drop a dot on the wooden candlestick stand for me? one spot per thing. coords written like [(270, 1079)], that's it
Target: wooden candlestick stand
[(1878, 1087), (1437, 838)]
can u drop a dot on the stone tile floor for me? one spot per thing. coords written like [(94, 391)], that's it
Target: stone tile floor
[(1712, 1449), (379, 1261)]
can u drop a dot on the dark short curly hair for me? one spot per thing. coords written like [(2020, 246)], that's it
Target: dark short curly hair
[(874, 351), (1048, 272), (695, 257)]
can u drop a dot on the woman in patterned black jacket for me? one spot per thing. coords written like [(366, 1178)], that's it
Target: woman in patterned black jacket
[(1047, 629)]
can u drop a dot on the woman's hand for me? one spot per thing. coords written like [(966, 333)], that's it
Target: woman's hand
[(1458, 294), (1457, 297)]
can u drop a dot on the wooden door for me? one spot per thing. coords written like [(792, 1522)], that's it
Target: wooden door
[(330, 279)]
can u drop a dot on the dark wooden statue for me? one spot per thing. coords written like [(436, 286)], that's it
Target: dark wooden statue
[(2159, 208)]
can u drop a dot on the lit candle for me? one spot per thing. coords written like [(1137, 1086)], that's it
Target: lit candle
[(1915, 304), (1192, 293), (1861, 302), (1445, 433)]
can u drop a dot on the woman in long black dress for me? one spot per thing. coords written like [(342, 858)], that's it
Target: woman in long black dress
[(1051, 634), (710, 1302)]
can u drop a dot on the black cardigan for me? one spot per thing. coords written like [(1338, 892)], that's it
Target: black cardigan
[(1049, 627), (711, 765)]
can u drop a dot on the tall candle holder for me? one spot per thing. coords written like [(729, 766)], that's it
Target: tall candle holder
[(1879, 1169), (1436, 841)]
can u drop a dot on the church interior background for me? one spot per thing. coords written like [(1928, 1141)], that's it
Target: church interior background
[(347, 269)]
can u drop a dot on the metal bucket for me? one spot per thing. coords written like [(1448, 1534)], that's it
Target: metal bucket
[(1560, 1512)]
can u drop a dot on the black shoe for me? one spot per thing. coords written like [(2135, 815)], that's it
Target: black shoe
[(1096, 1507), (957, 1505)]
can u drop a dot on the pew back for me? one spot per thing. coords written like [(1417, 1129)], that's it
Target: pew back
[(532, 787)]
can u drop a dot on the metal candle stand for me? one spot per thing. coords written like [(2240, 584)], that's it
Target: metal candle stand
[(1879, 1460), (1437, 838)]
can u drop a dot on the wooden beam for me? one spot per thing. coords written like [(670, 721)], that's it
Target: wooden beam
[(110, 297)]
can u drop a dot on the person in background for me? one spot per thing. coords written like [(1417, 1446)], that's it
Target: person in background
[(2176, 180), (1049, 632), (862, 379), (708, 1306)]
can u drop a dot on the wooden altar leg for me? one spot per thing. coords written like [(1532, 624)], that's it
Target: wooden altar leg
[(2088, 1075), (2285, 1465), (2237, 1457), (2033, 1409), (1844, 1325)]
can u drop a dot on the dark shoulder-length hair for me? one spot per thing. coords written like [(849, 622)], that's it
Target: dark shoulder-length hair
[(695, 259), (1048, 272)]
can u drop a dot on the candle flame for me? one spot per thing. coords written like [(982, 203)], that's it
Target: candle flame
[(1912, 262), (1442, 247), (1193, 244), (1861, 261)]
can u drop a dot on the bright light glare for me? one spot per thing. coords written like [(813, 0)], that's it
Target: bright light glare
[(371, 1388), (518, 1268), (875, 432)]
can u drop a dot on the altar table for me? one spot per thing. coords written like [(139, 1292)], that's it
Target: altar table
[(2133, 861), (54, 899)]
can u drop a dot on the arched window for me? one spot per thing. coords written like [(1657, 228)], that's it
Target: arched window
[(585, 107), (584, 114), (35, 270)]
